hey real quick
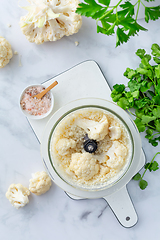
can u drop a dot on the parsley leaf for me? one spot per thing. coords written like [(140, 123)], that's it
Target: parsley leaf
[(143, 184), (119, 87), (120, 19), (137, 177), (152, 166), (143, 96), (155, 50), (152, 13)]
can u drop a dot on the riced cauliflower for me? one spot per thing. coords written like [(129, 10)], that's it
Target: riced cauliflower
[(50, 20), (5, 52), (117, 154), (95, 130), (90, 170), (17, 194), (114, 132), (84, 165), (40, 183), (64, 146)]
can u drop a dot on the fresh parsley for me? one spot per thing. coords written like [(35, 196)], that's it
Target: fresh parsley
[(152, 166), (141, 98), (120, 19)]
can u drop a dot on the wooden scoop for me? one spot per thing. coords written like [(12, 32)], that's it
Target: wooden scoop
[(41, 94)]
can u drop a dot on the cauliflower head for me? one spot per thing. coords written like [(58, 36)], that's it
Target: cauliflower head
[(50, 20), (5, 52), (84, 165), (95, 130), (40, 183), (117, 154), (17, 194), (64, 145)]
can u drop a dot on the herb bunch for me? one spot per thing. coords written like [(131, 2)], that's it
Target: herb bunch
[(120, 19), (141, 98)]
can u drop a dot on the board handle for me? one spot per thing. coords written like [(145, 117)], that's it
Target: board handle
[(121, 204)]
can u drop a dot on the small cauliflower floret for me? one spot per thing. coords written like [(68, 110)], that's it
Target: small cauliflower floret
[(95, 130), (117, 154), (114, 132), (17, 194), (102, 158), (50, 20), (5, 52), (104, 170), (40, 183), (64, 145), (84, 165)]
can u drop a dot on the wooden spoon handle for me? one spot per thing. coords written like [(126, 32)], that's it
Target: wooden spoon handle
[(41, 94)]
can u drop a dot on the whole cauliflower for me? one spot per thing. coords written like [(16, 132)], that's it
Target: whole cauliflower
[(117, 154), (50, 20), (95, 130), (40, 183), (5, 52), (17, 194), (84, 165), (64, 145)]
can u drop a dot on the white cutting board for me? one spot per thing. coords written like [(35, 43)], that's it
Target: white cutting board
[(82, 81)]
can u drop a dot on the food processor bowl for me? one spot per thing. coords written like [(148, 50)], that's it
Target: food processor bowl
[(124, 176)]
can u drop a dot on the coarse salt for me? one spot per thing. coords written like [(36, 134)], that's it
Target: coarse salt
[(34, 106)]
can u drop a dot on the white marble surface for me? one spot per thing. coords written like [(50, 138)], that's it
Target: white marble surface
[(54, 215)]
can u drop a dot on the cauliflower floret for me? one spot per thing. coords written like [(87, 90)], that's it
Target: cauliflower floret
[(84, 165), (117, 154), (17, 194), (5, 52), (114, 132), (95, 130), (64, 145), (102, 158), (40, 183), (104, 170), (50, 20)]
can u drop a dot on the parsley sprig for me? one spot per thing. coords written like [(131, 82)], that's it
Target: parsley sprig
[(141, 98), (120, 19), (152, 166)]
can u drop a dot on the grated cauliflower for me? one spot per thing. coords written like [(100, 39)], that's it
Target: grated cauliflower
[(64, 146), (40, 183), (5, 52), (117, 154), (17, 194), (84, 165), (95, 130), (50, 20)]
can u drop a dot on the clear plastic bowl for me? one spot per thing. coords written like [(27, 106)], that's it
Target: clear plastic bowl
[(74, 189)]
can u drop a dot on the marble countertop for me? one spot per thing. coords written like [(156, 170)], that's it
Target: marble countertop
[(54, 215)]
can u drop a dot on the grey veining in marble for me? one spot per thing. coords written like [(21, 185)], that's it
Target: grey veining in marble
[(54, 215)]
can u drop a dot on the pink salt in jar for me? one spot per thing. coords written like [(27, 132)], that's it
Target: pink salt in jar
[(36, 108)]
